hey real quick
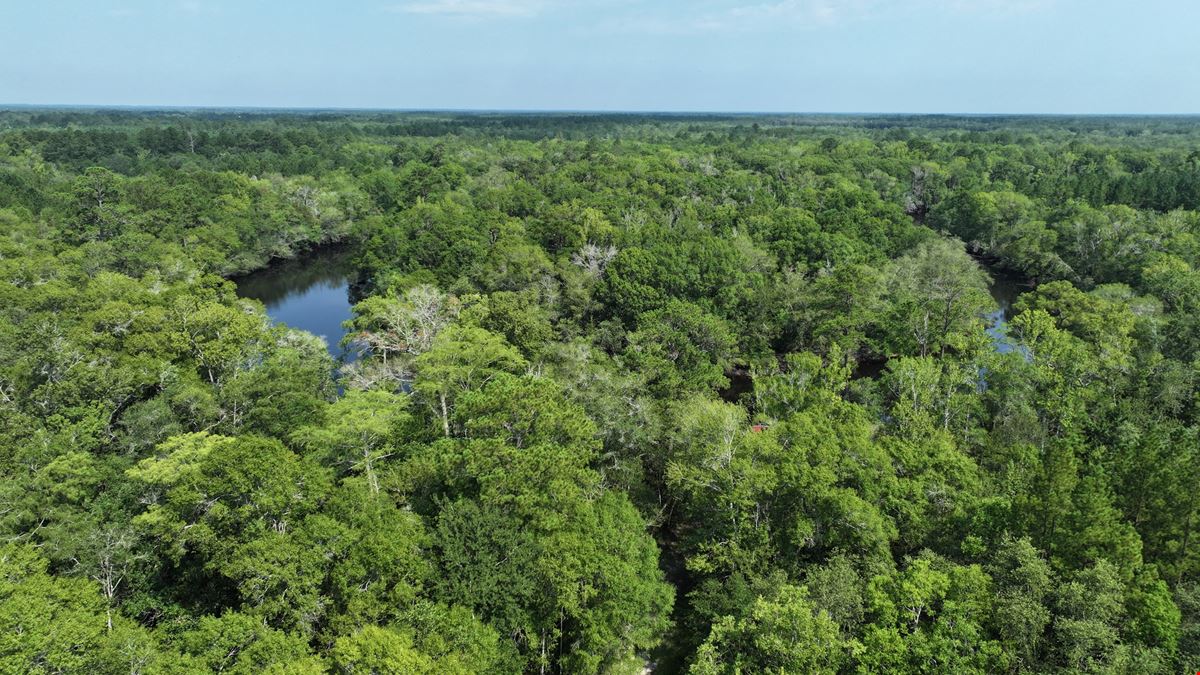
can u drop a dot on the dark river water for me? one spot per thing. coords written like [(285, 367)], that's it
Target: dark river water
[(1004, 289), (310, 292)]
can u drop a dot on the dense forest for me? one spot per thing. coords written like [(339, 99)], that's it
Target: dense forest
[(685, 393)]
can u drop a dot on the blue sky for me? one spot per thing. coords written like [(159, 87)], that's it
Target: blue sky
[(1051, 56)]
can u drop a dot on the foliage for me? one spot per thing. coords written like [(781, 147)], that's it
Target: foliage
[(711, 394)]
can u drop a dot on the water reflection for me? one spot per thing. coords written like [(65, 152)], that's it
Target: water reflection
[(311, 293), (1004, 289)]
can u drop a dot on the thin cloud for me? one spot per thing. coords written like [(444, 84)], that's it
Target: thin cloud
[(717, 17), (998, 6), (819, 11), (720, 17), (474, 8), (199, 7), (482, 9)]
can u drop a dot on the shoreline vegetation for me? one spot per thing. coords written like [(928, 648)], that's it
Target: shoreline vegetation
[(697, 394)]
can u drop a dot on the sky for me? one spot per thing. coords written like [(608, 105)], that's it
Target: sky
[(936, 56)]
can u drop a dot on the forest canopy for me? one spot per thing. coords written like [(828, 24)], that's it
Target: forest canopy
[(692, 393)]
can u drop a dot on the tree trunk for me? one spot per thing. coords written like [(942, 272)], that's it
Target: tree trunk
[(445, 416)]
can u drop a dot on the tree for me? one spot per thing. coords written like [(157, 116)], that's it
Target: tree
[(109, 555), (519, 317), (96, 198), (631, 285), (929, 394), (460, 360), (784, 634), (1088, 611), (240, 644), (380, 650), (53, 624), (218, 338), (377, 558), (239, 509), (526, 534), (680, 349), (1187, 599), (1023, 582), (402, 328), (361, 425), (577, 584), (929, 615), (936, 292)]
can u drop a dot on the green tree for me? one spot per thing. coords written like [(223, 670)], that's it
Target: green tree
[(356, 438), (461, 359), (680, 349), (784, 634), (96, 206), (52, 624), (936, 292)]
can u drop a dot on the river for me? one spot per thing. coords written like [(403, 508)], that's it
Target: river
[(1004, 289), (310, 292)]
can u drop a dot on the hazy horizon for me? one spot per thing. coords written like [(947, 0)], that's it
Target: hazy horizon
[(568, 111), (1038, 57)]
